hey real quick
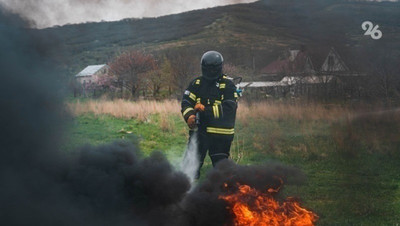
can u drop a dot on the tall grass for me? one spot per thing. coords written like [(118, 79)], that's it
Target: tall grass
[(140, 110), (276, 111), (143, 109)]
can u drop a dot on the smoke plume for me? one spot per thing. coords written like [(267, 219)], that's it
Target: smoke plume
[(40, 185), (46, 13), (107, 185)]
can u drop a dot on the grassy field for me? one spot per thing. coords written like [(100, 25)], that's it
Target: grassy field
[(349, 155)]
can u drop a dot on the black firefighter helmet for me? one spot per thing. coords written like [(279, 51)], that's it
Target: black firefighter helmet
[(211, 65)]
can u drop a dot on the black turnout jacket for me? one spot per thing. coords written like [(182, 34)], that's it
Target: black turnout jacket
[(220, 100)]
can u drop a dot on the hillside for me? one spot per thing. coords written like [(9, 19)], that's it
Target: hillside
[(261, 30)]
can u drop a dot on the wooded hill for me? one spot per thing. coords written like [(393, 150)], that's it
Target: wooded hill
[(249, 35)]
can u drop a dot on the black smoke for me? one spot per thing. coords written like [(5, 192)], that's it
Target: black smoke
[(107, 185), (40, 185)]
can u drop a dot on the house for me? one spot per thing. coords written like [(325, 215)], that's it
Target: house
[(295, 75), (296, 62), (89, 74), (288, 86), (333, 63)]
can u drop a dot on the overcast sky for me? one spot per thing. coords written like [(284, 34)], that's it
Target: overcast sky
[(45, 13)]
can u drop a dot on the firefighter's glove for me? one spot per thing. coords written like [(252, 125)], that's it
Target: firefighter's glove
[(199, 107), (191, 122)]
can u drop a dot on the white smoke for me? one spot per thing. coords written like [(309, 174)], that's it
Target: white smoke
[(47, 13), (190, 162)]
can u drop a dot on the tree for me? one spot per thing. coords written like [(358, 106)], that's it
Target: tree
[(386, 77), (167, 74), (155, 81), (184, 67), (231, 70), (105, 83), (130, 69)]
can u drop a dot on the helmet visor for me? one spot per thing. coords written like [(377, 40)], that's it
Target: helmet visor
[(211, 72)]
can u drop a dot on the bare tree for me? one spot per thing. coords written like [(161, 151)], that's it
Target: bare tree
[(231, 70), (167, 75), (386, 77), (184, 66), (130, 68), (155, 81)]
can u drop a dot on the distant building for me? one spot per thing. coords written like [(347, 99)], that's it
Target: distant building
[(296, 62), (294, 75), (288, 86), (334, 63), (86, 78), (89, 74)]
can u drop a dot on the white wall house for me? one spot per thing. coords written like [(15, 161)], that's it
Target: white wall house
[(89, 74)]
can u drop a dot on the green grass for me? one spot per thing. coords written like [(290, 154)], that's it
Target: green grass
[(96, 130), (347, 184), (352, 178)]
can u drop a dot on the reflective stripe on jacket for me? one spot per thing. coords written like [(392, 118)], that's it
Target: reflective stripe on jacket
[(220, 100)]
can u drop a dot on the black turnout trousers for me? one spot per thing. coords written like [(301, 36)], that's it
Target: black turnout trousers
[(218, 147)]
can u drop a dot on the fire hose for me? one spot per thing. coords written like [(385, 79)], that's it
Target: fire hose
[(197, 119)]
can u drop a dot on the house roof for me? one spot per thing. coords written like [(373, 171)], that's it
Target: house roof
[(296, 62), (276, 67), (336, 65), (90, 70)]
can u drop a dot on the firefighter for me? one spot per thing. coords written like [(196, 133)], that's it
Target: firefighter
[(213, 98)]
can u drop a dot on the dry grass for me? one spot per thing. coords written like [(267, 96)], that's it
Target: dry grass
[(377, 131), (276, 111), (140, 110), (166, 124)]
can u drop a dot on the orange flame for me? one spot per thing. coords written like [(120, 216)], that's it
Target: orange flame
[(252, 207)]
